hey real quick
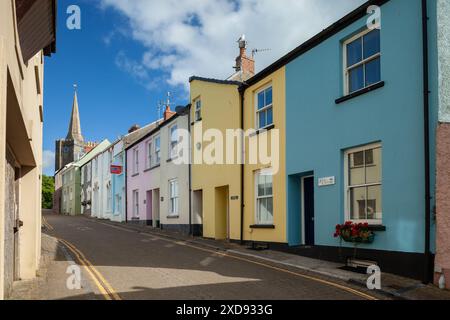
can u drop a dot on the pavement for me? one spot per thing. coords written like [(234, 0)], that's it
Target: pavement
[(130, 262)]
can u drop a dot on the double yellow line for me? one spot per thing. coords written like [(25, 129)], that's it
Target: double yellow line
[(104, 287), (46, 224)]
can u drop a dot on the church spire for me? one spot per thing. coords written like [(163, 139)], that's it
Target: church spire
[(75, 126)]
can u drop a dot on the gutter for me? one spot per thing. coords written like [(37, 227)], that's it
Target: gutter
[(426, 111)]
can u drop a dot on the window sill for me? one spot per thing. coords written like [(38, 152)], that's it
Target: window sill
[(173, 217), (377, 228), (151, 168), (172, 159), (194, 122), (360, 92), (258, 132), (262, 226), (134, 175)]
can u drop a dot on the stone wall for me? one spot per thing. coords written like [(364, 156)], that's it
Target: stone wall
[(444, 59), (442, 262), (9, 225)]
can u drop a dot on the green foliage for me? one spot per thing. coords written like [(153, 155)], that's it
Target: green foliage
[(48, 188)]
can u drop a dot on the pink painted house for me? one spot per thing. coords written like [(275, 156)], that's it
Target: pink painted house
[(142, 180)]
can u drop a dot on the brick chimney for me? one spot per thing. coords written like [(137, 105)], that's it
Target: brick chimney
[(168, 113), (244, 64)]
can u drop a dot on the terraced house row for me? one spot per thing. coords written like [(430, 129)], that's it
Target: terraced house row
[(355, 123)]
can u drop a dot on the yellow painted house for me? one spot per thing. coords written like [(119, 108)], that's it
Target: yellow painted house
[(238, 154), (216, 187), (217, 176), (264, 214)]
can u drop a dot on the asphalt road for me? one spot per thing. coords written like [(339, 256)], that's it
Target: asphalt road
[(120, 263)]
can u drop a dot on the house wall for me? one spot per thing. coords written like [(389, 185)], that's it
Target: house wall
[(278, 235), (106, 184), (57, 196), (443, 145), (157, 178), (143, 181), (118, 185), (392, 115), (23, 134), (220, 111), (172, 170), (86, 189), (71, 186)]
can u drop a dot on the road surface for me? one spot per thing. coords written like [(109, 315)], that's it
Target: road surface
[(118, 263)]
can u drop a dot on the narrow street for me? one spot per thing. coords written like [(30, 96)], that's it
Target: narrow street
[(122, 264)]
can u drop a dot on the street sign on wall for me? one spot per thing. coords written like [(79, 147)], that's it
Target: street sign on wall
[(327, 181), (116, 169)]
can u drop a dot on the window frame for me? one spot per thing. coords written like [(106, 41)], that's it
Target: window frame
[(136, 203), (347, 187), (363, 62), (136, 160), (156, 150), (257, 174), (198, 109), (173, 145), (265, 108), (149, 154), (175, 198)]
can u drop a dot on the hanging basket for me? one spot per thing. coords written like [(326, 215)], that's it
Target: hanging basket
[(354, 233)]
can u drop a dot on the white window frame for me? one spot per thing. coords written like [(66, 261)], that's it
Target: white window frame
[(347, 187), (174, 197), (136, 203), (257, 112), (198, 109), (149, 153), (157, 150), (135, 160), (362, 62), (173, 144), (257, 174), (108, 198)]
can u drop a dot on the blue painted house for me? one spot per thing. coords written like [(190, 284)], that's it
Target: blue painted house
[(360, 131), (118, 183)]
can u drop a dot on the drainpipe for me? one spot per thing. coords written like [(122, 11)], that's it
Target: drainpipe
[(242, 98), (426, 110), (191, 232), (126, 185)]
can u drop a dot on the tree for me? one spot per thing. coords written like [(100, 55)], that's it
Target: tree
[(48, 188)]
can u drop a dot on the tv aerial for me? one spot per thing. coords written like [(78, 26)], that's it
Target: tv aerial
[(255, 51)]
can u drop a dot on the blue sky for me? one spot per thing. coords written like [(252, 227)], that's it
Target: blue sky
[(130, 53)]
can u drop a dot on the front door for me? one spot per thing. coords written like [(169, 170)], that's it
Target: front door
[(308, 210), (149, 202)]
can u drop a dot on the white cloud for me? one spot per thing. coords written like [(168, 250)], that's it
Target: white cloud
[(48, 161), (198, 37)]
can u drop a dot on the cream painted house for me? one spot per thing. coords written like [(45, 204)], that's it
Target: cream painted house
[(27, 33)]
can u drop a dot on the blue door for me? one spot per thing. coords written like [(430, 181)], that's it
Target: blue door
[(308, 196)]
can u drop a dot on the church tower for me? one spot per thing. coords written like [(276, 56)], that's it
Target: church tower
[(73, 147)]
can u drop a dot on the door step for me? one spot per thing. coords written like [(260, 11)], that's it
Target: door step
[(259, 246), (357, 263)]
